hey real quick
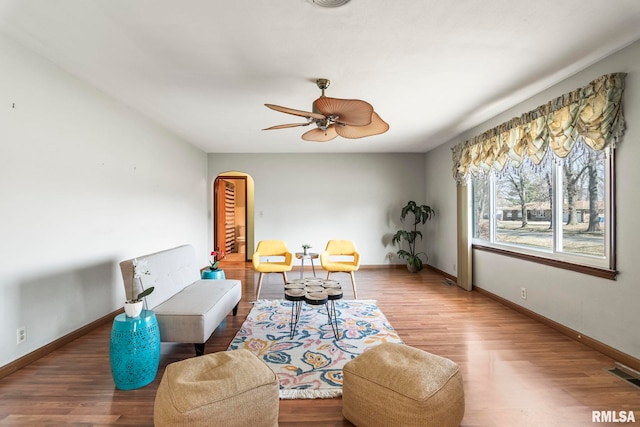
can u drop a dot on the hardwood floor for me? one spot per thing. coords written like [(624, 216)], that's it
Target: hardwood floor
[(517, 372)]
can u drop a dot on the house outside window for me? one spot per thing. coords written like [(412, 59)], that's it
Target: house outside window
[(560, 210)]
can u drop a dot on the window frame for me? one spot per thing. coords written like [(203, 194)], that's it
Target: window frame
[(604, 267)]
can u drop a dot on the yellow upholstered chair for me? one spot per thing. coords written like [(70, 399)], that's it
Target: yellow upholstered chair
[(281, 262), (341, 256)]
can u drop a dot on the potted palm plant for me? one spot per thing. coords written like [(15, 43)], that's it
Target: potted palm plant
[(421, 214)]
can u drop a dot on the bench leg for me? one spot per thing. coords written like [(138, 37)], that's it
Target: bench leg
[(199, 349), (235, 309)]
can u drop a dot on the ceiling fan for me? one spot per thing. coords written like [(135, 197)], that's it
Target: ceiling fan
[(348, 118)]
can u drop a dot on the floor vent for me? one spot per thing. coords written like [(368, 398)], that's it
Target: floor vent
[(627, 375), (449, 282)]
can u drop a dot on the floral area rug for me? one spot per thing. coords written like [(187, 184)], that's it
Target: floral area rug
[(309, 365)]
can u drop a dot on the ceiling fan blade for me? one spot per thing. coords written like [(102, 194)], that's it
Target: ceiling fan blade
[(319, 135), (290, 125), (376, 127), (295, 112), (349, 111)]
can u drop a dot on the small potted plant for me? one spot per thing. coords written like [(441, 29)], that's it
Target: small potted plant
[(421, 214), (214, 272), (133, 307), (305, 248), (215, 262)]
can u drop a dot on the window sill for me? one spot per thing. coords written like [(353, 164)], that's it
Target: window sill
[(592, 271)]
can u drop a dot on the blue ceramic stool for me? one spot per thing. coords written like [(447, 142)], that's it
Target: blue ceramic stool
[(213, 274), (134, 350)]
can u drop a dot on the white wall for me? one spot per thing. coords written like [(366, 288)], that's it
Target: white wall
[(441, 191), (601, 309), (85, 182), (312, 198)]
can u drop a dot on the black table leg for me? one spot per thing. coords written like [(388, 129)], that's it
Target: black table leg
[(296, 306), (333, 317)]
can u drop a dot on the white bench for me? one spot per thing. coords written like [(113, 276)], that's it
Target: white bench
[(187, 308)]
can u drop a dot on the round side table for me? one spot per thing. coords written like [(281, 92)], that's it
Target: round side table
[(310, 256), (134, 350)]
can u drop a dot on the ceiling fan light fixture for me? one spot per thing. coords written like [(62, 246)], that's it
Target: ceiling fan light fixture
[(330, 3), (348, 118)]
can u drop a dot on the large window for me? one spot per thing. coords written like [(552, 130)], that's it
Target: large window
[(542, 183), (559, 210)]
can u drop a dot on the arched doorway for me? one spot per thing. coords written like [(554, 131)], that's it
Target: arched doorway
[(233, 215)]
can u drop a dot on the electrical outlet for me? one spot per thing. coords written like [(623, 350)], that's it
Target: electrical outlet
[(21, 334), (523, 293)]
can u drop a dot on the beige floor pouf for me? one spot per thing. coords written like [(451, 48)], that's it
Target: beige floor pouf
[(397, 385), (229, 388)]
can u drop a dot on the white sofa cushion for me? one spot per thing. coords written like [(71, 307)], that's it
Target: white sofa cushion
[(169, 272), (197, 309)]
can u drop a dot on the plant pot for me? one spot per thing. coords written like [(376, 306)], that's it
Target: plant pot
[(213, 274), (413, 268), (133, 309)]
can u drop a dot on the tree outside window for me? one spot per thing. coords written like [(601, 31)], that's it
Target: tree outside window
[(559, 209)]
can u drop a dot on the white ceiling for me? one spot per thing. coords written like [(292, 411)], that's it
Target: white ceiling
[(432, 69)]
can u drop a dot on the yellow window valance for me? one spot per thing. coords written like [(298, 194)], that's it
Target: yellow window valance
[(591, 115)]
